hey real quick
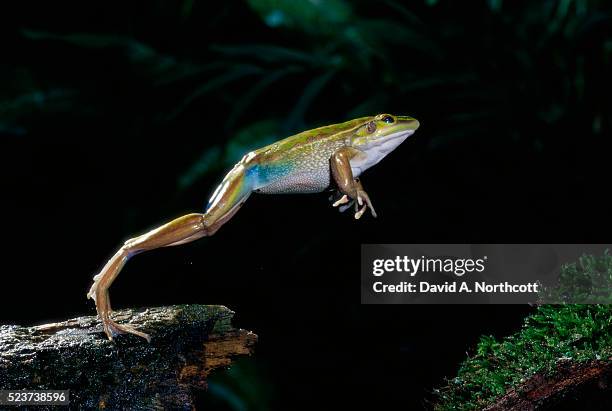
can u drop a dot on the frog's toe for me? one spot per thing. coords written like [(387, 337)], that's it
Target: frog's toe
[(111, 329), (343, 200), (360, 212), (372, 210), (364, 200)]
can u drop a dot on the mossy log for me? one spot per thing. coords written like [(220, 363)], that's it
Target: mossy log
[(188, 342), (573, 385)]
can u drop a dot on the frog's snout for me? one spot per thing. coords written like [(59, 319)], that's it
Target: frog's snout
[(412, 124)]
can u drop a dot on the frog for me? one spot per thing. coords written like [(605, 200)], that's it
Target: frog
[(313, 161)]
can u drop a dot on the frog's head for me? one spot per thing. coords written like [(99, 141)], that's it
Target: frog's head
[(377, 137), (383, 132)]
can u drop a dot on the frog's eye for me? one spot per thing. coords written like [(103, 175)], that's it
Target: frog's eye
[(388, 119), (371, 127)]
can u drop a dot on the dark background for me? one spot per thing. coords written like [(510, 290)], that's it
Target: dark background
[(116, 117)]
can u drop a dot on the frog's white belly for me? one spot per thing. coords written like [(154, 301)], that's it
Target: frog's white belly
[(314, 180)]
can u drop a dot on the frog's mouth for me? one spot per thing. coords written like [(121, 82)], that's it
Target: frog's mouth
[(389, 142)]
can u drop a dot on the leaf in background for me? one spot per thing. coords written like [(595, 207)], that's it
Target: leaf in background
[(552, 113), (187, 8), (495, 5), (49, 101), (36, 100), (409, 16), (236, 73), (9, 129), (214, 159), (79, 39), (378, 33), (251, 137), (247, 98), (414, 83), (312, 17), (163, 69), (186, 70), (373, 104), (560, 15), (208, 161), (244, 387), (295, 119), (135, 51), (265, 52)]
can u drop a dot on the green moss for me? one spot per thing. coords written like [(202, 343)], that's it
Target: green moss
[(551, 333), (589, 281)]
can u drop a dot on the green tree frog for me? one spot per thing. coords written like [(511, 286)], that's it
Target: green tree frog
[(308, 162)]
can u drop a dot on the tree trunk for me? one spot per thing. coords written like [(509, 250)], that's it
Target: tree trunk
[(188, 342)]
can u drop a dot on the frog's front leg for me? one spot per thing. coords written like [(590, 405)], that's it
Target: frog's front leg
[(348, 185)]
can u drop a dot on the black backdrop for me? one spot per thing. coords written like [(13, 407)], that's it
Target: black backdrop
[(98, 136)]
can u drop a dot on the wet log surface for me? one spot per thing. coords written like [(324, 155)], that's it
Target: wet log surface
[(573, 385), (188, 342)]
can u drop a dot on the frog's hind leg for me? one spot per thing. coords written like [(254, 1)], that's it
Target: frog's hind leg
[(224, 203)]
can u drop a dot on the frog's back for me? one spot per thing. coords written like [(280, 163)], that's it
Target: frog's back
[(300, 163)]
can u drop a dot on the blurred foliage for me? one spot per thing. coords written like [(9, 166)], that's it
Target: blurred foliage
[(312, 17), (241, 388), (588, 281), (248, 138), (494, 71)]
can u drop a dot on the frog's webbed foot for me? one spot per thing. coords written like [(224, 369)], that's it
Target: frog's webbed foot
[(361, 202), (99, 293), (111, 328)]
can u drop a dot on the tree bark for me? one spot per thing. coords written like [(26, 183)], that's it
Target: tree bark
[(188, 342), (573, 385)]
